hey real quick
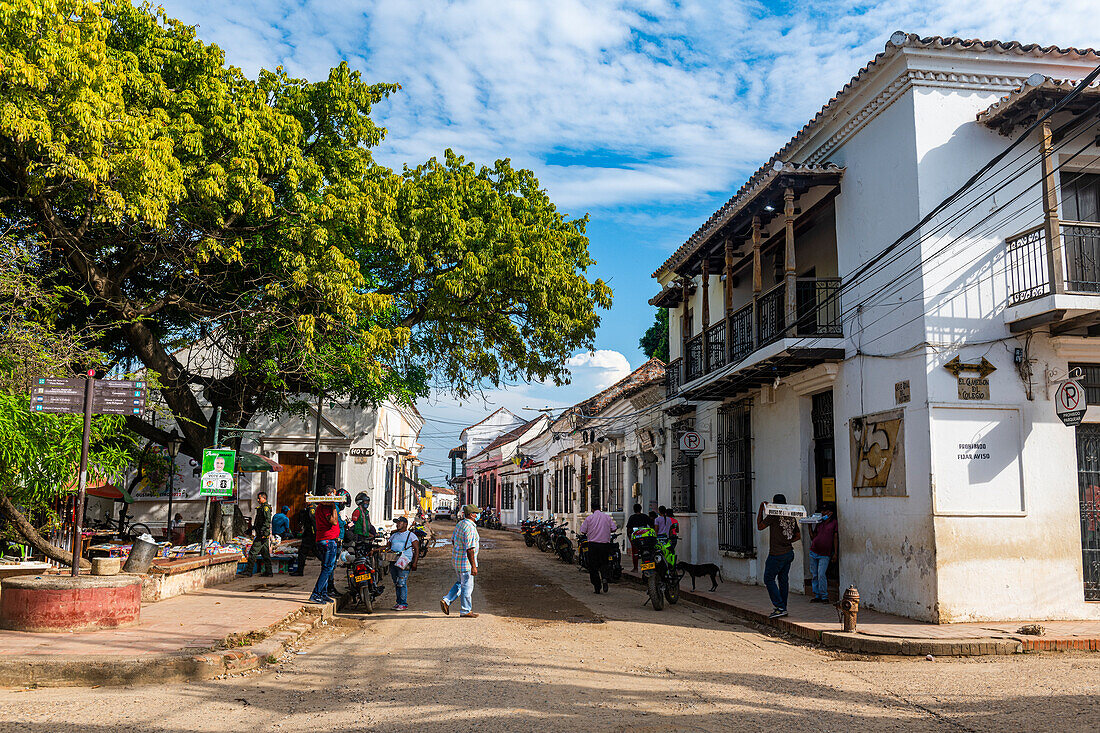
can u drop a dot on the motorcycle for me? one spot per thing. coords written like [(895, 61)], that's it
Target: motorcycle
[(527, 529), (424, 538), (561, 543), (364, 571), (541, 533), (615, 561), (657, 561)]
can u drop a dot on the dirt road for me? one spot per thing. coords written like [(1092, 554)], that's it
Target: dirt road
[(547, 654)]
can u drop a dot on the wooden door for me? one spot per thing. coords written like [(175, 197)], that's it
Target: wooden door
[(293, 484)]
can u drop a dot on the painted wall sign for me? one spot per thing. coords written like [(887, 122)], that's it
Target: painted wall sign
[(902, 392), (976, 461), (1070, 403), (828, 489), (973, 388), (361, 452), (877, 444)]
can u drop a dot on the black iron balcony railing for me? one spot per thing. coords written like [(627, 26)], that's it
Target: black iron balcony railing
[(740, 330), (758, 323), (1029, 264), (693, 358), (715, 337), (673, 377)]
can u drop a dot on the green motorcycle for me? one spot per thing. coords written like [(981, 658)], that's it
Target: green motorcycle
[(657, 561)]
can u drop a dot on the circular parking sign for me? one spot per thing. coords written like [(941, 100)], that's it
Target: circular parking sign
[(1069, 402), (691, 442)]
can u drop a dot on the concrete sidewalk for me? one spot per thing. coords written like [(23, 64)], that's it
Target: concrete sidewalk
[(880, 633), (229, 627)]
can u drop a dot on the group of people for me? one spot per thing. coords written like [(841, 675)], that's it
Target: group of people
[(663, 521), (783, 532), (323, 528)]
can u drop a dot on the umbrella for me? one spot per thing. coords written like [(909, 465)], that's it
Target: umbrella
[(254, 462)]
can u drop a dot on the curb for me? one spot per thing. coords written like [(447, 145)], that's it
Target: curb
[(858, 643), (181, 666)]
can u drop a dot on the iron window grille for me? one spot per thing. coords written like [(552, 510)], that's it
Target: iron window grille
[(735, 478), (683, 470)]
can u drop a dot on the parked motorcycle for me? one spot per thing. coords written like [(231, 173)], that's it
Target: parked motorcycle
[(615, 561), (561, 543), (364, 571), (541, 533), (657, 561), (527, 529)]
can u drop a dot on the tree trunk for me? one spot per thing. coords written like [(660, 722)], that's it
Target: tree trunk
[(11, 513)]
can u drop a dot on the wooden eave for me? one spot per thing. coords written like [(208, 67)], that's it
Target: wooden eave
[(1027, 103)]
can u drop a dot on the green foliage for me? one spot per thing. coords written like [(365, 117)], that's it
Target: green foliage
[(40, 453), (175, 201), (654, 341)]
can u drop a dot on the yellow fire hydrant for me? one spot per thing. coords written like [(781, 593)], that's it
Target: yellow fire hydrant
[(849, 608)]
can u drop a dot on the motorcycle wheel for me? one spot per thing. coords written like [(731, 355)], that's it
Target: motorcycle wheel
[(654, 591), (365, 599), (616, 571), (528, 541), (672, 590), (543, 544), (567, 555)]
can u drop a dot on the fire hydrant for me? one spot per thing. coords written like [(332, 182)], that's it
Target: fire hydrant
[(848, 608)]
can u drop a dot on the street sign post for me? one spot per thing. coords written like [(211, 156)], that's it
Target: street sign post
[(88, 396), (1070, 403)]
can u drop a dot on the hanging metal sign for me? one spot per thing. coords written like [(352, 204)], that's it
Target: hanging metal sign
[(1070, 403), (691, 443)]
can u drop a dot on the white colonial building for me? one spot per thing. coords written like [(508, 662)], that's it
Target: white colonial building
[(849, 326)]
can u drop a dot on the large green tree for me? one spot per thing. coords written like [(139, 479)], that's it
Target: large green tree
[(183, 203), (654, 342)]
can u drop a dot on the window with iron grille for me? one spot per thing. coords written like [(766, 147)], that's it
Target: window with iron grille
[(1090, 381), (821, 415), (683, 470), (596, 488), (615, 482), (508, 496), (538, 490), (735, 478), (530, 493), (567, 493)]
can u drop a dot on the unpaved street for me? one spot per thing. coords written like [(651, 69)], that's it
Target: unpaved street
[(547, 654)]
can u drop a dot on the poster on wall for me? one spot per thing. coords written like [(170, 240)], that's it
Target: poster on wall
[(976, 468), (877, 444), (158, 470)]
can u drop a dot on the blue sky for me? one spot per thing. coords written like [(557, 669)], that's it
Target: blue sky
[(644, 114)]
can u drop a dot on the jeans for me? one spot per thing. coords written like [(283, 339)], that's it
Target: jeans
[(818, 565), (464, 588), (327, 552), (778, 568), (400, 583)]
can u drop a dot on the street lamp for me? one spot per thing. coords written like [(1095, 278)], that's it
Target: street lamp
[(175, 440)]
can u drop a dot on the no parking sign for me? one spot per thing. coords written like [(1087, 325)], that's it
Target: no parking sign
[(1070, 403)]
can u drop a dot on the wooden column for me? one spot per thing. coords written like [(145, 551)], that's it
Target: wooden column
[(757, 275), (706, 292), (729, 278), (788, 259), (1055, 255)]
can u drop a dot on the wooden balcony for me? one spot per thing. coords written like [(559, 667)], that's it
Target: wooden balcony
[(758, 324)]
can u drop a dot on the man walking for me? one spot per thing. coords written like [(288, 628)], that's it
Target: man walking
[(782, 534), (261, 533), (598, 528), (327, 531), (464, 545), (636, 521)]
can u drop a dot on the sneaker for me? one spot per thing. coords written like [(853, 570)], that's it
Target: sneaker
[(778, 613), (319, 601), (445, 607), (399, 607)]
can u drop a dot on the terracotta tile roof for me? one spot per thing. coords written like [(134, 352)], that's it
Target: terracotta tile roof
[(897, 41), (1026, 102)]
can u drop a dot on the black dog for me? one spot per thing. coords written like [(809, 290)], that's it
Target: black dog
[(698, 571)]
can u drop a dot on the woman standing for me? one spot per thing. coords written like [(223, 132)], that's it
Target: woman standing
[(406, 548)]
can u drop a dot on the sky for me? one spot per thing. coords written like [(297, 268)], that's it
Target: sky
[(646, 114)]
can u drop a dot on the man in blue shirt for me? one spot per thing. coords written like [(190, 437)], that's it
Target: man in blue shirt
[(280, 523)]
